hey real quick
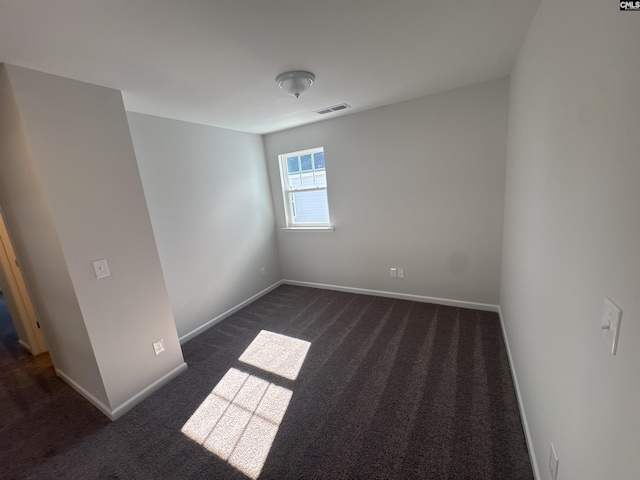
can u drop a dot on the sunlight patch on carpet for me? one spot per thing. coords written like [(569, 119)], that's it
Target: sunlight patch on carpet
[(276, 353), (239, 419)]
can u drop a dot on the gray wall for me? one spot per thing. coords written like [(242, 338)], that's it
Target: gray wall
[(418, 185), (208, 195), (82, 201), (36, 242), (572, 234)]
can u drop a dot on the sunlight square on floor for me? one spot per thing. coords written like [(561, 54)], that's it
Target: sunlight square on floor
[(276, 353), (239, 419)]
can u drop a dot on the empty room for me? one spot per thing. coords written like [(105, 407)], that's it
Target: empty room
[(350, 239)]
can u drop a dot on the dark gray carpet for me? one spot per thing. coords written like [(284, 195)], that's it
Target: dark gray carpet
[(40, 415), (390, 389)]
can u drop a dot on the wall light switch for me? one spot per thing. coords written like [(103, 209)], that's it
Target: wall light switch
[(101, 268), (610, 324), (401, 273), (393, 272)]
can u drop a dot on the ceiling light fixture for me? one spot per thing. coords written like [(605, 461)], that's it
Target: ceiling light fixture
[(295, 83)]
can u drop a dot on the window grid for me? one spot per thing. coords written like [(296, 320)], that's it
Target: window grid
[(304, 174)]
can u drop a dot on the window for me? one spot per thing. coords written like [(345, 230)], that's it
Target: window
[(304, 188)]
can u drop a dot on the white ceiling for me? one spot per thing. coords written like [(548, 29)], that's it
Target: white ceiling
[(215, 62)]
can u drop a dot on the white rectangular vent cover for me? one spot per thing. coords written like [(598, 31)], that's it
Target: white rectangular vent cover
[(335, 108)]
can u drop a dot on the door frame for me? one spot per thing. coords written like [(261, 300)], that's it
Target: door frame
[(16, 288)]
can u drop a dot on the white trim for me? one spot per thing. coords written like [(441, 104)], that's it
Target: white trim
[(328, 229), (128, 404), (304, 152), (403, 296), (523, 416), (287, 191), (25, 346), (97, 403), (146, 392), (197, 331), (305, 189)]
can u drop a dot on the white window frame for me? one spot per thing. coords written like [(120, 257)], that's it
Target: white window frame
[(286, 193)]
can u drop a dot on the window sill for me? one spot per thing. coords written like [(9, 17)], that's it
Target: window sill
[(309, 229)]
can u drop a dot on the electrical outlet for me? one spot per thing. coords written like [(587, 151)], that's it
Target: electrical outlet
[(393, 272), (262, 272), (100, 268), (158, 346), (401, 273), (553, 463)]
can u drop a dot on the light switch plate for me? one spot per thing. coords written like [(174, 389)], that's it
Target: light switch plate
[(610, 324), (101, 268)]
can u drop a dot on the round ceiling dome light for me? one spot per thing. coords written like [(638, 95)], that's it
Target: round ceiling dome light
[(295, 83)]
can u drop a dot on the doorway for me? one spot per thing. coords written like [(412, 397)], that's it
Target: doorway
[(9, 340), (16, 297)]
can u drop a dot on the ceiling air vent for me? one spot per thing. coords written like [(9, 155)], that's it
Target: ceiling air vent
[(335, 108)]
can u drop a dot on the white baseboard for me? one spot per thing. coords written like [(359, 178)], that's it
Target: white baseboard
[(402, 296), (129, 404), (197, 331), (97, 403), (142, 394), (523, 416), (25, 346)]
